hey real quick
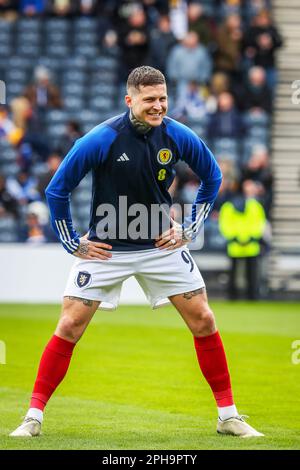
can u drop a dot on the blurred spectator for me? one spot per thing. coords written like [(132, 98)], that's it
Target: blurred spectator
[(8, 130), (187, 184), (260, 43), (110, 46), (199, 23), (178, 18), (242, 222), (189, 61), (134, 41), (35, 144), (32, 7), (8, 204), (226, 121), (20, 108), (62, 8), (231, 7), (161, 41), (191, 104), (258, 169), (36, 228), (256, 93), (228, 186), (8, 9), (43, 94), (229, 43), (254, 7), (23, 187), (52, 164), (219, 83), (72, 133), (87, 7)]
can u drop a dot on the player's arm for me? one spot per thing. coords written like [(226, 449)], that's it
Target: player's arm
[(85, 155), (201, 160)]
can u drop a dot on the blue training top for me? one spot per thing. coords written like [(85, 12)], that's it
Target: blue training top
[(138, 166)]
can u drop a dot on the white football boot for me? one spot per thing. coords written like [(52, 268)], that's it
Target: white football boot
[(237, 426), (29, 428)]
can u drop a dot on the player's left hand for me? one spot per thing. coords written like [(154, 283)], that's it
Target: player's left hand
[(172, 238)]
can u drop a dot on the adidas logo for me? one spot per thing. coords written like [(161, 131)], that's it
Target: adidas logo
[(123, 158)]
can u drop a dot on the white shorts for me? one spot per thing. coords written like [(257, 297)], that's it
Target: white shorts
[(160, 273)]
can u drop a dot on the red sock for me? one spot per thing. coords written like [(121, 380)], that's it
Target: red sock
[(53, 367), (213, 364)]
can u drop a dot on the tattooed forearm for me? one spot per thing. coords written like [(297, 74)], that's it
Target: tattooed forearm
[(189, 295), (86, 302)]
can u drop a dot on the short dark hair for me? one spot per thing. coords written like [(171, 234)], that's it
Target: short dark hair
[(145, 76)]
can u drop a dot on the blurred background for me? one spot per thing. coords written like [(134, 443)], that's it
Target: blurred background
[(229, 64)]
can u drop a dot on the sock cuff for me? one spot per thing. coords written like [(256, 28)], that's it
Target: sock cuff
[(204, 343), (61, 346), (35, 413)]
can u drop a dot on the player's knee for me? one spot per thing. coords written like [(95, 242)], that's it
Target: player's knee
[(71, 327), (204, 323)]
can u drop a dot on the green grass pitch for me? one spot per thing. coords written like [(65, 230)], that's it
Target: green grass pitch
[(134, 381)]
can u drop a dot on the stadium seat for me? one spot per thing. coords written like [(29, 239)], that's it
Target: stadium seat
[(7, 153), (249, 145), (225, 145), (5, 50), (102, 89), (6, 26), (75, 64), (14, 89), (86, 182), (85, 37), (199, 130), (104, 76), (87, 126), (73, 103), (5, 37), (101, 102), (9, 236), (16, 74), (72, 89), (51, 63), (9, 169), (56, 116), (28, 50), (53, 50), (55, 130), (259, 132), (29, 37), (89, 115), (213, 240), (105, 63), (29, 24), (20, 62), (81, 196), (260, 118), (39, 169), (86, 50), (85, 24), (57, 25), (74, 76)]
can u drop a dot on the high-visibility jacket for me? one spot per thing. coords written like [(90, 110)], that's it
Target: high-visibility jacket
[(243, 230)]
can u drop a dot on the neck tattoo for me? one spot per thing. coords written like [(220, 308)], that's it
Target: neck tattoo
[(141, 127)]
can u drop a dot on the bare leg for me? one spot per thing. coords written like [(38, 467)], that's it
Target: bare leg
[(75, 316), (195, 311)]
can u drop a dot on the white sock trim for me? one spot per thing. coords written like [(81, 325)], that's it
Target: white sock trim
[(227, 412), (35, 413)]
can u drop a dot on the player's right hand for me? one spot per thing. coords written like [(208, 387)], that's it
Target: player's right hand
[(92, 250)]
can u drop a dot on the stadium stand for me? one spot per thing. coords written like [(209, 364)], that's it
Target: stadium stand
[(67, 67)]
